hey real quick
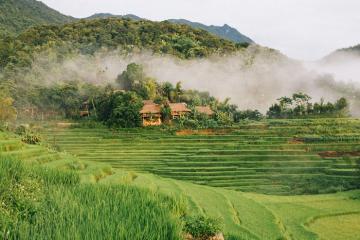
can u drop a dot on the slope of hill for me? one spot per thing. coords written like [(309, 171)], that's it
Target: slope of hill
[(18, 15), (353, 49), (343, 54), (88, 36), (226, 31)]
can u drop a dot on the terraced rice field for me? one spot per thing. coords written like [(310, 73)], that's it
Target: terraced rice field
[(273, 157), (245, 215)]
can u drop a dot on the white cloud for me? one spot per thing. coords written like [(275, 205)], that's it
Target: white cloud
[(303, 29)]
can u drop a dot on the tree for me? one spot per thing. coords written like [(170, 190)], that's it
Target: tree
[(178, 91), (7, 110), (166, 112), (167, 90), (302, 102), (121, 109), (133, 75), (68, 98), (342, 107), (274, 111)]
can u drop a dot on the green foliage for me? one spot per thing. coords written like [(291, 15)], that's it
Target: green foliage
[(31, 138), (120, 109), (247, 115), (135, 79), (19, 15), (202, 227), (299, 106), (166, 113), (27, 135), (225, 31), (7, 110), (224, 118), (17, 53), (38, 203)]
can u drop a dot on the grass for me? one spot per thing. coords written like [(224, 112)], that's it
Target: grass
[(282, 155), (165, 171), (43, 203), (342, 226)]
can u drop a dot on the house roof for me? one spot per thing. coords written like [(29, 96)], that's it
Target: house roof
[(204, 109), (179, 107), (151, 108), (148, 102)]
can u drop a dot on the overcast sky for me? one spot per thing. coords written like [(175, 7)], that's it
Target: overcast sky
[(302, 29)]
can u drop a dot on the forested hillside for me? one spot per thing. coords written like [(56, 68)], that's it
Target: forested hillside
[(226, 31), (353, 49), (343, 54), (18, 15), (86, 37)]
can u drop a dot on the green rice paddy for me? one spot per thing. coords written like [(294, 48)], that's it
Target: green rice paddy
[(247, 176), (274, 157)]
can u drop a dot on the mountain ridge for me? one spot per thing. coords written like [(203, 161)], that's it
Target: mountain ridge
[(227, 32)]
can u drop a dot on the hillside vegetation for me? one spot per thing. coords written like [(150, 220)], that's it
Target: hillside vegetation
[(18, 15), (87, 37), (226, 31)]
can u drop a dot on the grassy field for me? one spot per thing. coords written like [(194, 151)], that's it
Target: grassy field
[(273, 157), (170, 164), (39, 202)]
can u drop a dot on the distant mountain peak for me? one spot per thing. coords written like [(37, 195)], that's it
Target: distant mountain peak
[(225, 31)]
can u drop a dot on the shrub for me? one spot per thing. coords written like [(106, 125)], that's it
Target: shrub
[(202, 227), (31, 138)]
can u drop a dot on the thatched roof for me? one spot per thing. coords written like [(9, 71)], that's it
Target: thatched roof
[(205, 110), (151, 109), (148, 102), (179, 107)]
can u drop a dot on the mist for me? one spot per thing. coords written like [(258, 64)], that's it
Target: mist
[(253, 78)]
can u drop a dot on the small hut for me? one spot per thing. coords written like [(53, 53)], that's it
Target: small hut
[(151, 113), (178, 110), (205, 110)]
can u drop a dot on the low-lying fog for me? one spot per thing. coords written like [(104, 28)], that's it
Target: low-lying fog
[(252, 79)]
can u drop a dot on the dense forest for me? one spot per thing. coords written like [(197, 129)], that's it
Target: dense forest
[(18, 15), (87, 37)]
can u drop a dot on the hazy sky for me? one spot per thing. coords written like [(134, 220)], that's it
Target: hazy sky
[(302, 29)]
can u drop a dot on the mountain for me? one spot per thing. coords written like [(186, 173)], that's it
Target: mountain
[(18, 15), (226, 31), (343, 55), (88, 36), (109, 15)]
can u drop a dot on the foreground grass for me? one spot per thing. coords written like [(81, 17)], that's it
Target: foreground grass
[(39, 203)]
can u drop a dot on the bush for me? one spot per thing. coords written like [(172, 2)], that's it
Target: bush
[(202, 227), (31, 138)]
